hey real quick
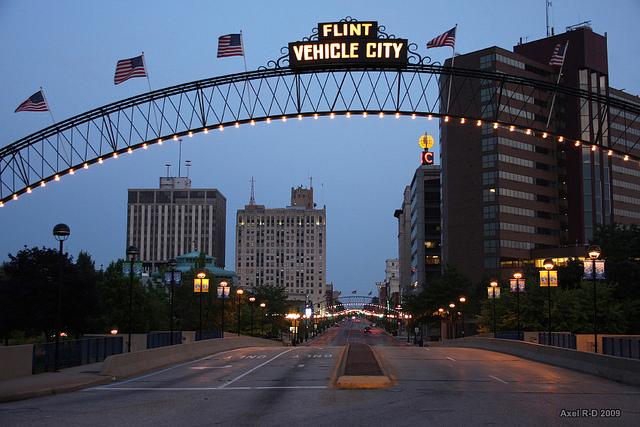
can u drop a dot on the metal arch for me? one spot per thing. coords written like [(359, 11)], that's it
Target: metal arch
[(281, 93), (355, 302)]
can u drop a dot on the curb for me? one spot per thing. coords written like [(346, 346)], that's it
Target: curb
[(47, 391), (361, 382)]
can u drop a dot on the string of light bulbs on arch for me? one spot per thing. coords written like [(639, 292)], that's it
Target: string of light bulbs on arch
[(449, 119)]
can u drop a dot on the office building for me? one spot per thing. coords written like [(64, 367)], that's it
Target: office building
[(419, 231), (175, 219), (510, 197), (283, 246)]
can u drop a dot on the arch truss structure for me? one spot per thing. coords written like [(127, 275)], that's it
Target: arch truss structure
[(279, 93), (356, 304)]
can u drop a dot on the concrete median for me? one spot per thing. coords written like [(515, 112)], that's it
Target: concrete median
[(128, 364), (619, 369)]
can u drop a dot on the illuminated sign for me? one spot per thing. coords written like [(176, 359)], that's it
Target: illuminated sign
[(551, 278), (348, 44), (426, 158), (426, 141)]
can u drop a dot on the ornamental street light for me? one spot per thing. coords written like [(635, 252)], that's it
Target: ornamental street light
[(517, 276), (594, 252), (223, 292), (452, 312), (200, 286), (262, 306), (462, 300), (132, 253), (61, 232), (239, 293), (172, 267), (492, 286), (548, 266), (441, 314), (251, 301)]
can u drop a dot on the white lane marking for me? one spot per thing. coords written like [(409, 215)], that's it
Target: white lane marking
[(256, 367), (210, 367), (302, 387), (174, 367), (451, 358), (301, 365), (498, 379)]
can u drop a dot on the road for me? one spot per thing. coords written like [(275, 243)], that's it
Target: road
[(292, 386)]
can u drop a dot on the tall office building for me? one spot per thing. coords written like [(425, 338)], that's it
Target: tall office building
[(283, 246), (404, 240), (176, 219), (510, 197), (419, 231)]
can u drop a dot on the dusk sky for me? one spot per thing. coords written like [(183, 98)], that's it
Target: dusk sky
[(359, 166)]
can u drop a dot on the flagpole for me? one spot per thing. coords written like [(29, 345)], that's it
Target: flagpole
[(553, 101), (453, 58), (47, 104), (244, 58), (146, 72)]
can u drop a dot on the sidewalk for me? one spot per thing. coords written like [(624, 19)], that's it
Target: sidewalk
[(47, 383)]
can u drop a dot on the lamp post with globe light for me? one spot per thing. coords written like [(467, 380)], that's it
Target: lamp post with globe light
[(594, 252), (239, 293), (223, 292), (548, 266), (252, 299), (493, 285), (61, 232), (462, 301), (132, 253)]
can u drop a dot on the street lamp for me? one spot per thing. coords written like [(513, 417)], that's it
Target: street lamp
[(223, 292), (594, 252), (251, 300), (548, 265), (518, 276), (172, 266), (493, 285), (61, 232), (462, 301), (132, 253), (262, 306), (239, 293), (200, 286), (441, 314), (453, 328)]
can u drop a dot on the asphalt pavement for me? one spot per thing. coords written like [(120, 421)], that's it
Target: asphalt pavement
[(293, 386)]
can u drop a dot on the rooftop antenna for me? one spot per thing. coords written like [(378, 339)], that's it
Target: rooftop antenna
[(187, 164), (179, 156), (252, 199), (168, 165), (310, 182), (548, 7)]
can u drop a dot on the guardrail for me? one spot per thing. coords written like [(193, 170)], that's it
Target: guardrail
[(621, 346), (74, 352)]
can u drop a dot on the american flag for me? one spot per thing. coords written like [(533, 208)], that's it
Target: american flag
[(557, 59), (35, 102), (445, 39), (129, 68), (230, 45)]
